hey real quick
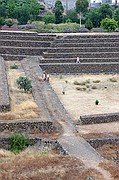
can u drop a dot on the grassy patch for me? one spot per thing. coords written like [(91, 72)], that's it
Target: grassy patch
[(113, 79)]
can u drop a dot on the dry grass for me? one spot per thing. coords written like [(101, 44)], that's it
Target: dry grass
[(108, 151), (34, 165), (112, 168), (22, 104)]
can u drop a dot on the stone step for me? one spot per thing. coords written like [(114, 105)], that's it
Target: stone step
[(82, 55), (90, 35), (11, 57), (98, 44), (30, 38), (23, 43), (33, 51), (73, 68), (82, 49), (86, 40), (73, 60), (18, 33)]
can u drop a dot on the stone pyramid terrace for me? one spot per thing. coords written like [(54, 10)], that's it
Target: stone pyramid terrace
[(98, 53)]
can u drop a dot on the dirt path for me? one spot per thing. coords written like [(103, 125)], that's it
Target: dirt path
[(53, 109)]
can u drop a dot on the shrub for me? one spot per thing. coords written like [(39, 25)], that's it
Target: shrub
[(18, 142), (96, 102), (14, 66), (2, 22), (94, 87), (24, 83), (96, 81), (49, 18), (113, 79), (9, 23), (109, 24), (81, 88), (88, 24)]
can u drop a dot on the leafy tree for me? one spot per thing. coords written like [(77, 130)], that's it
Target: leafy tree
[(58, 10), (116, 15), (49, 18), (81, 7), (94, 16), (105, 11), (24, 83), (109, 24), (2, 22), (3, 10), (72, 15), (22, 14), (34, 9), (88, 24)]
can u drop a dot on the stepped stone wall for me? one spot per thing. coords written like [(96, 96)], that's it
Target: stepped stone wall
[(4, 90)]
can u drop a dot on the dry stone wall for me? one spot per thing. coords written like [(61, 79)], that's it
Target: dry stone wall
[(99, 118), (4, 90)]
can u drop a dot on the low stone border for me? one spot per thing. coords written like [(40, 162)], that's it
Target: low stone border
[(27, 126), (4, 92), (73, 68), (36, 142), (98, 142), (99, 118)]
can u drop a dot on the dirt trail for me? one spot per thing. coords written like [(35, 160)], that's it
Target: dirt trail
[(49, 101)]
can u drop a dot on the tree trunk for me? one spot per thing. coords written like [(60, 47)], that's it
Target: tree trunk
[(80, 18)]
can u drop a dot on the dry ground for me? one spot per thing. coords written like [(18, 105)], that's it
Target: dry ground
[(22, 104), (104, 88), (35, 165)]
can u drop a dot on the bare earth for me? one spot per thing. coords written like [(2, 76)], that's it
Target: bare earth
[(82, 102)]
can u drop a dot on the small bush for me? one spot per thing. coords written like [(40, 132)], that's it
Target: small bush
[(96, 102), (14, 66), (109, 24), (18, 142), (81, 88), (24, 83), (9, 23), (96, 81), (113, 79), (76, 83), (88, 24), (94, 87)]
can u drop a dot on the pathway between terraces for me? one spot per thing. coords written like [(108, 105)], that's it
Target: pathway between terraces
[(51, 106)]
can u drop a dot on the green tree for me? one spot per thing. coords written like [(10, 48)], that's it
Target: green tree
[(94, 16), (22, 14), (105, 11), (24, 83), (72, 15), (2, 22), (109, 24), (89, 24), (58, 10), (34, 9), (49, 18), (81, 8), (116, 15), (3, 10)]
